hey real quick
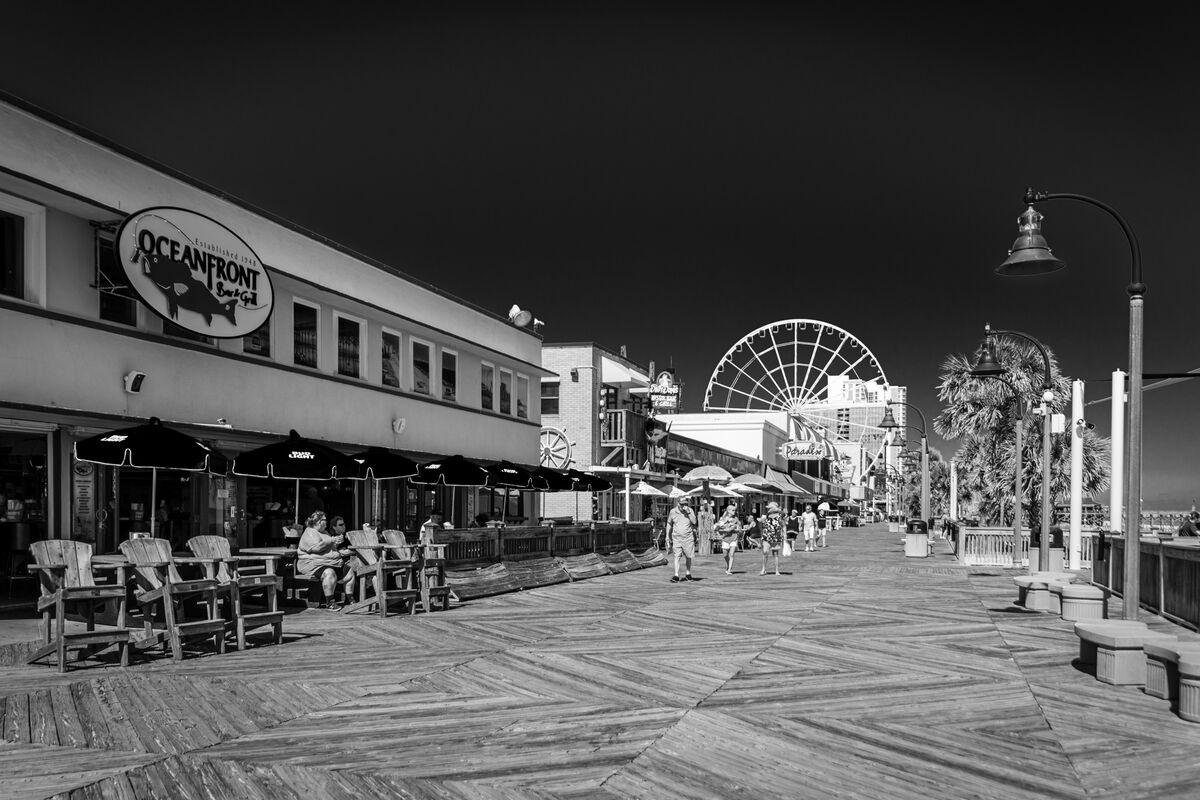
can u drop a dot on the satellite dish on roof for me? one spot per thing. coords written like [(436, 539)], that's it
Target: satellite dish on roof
[(518, 317), (522, 318)]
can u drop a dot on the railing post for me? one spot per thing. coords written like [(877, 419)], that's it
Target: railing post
[(499, 544)]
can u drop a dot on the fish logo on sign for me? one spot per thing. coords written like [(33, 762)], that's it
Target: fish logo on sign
[(195, 272)]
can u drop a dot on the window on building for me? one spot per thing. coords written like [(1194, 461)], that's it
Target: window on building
[(259, 342), (505, 391), (522, 397), (420, 367), (117, 301), (449, 376), (349, 341), (12, 255), (390, 355), (304, 335), (487, 386), (843, 423), (550, 397)]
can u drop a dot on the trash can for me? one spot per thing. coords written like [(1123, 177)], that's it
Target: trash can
[(1057, 550), (916, 539)]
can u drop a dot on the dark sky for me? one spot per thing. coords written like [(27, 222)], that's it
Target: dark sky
[(673, 176)]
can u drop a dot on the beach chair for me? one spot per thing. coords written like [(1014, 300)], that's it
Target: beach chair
[(431, 573), (376, 563), (65, 571), (158, 583), (230, 573)]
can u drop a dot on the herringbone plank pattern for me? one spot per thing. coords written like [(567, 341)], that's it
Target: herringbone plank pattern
[(857, 673)]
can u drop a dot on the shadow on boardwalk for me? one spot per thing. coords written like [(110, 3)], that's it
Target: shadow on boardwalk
[(859, 673)]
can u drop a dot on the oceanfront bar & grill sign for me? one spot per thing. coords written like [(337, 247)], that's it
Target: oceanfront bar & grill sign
[(195, 272)]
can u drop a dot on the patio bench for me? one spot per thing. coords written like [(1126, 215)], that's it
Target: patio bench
[(1039, 584), (1081, 601), (1163, 674), (1115, 647)]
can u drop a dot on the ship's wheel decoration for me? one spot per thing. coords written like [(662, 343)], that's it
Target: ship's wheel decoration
[(786, 366), (555, 448)]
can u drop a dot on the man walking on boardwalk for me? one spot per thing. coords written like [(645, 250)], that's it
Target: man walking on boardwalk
[(682, 536)]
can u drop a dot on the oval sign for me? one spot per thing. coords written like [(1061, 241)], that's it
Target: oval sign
[(193, 271)]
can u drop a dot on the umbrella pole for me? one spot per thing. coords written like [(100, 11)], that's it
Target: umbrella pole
[(296, 505), (153, 498)]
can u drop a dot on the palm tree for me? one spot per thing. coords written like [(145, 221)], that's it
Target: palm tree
[(982, 413)]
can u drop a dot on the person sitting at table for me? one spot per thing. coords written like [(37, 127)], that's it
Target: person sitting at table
[(320, 556)]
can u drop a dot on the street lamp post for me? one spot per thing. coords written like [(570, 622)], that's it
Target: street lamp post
[(989, 367), (889, 423), (1030, 255)]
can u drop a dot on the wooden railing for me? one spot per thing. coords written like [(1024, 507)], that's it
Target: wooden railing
[(476, 546), (621, 426), (993, 547), (1169, 581)]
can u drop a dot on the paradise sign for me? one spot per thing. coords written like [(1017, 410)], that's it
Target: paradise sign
[(195, 272)]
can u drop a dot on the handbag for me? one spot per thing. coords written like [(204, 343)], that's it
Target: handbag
[(787, 548)]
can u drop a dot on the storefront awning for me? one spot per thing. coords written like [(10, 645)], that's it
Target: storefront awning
[(615, 373)]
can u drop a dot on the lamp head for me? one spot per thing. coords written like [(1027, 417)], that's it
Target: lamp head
[(888, 422), (1029, 255), (987, 366)]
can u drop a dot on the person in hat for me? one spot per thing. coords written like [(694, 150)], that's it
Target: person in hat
[(772, 535), (682, 535)]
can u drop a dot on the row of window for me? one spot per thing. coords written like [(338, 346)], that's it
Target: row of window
[(431, 371)]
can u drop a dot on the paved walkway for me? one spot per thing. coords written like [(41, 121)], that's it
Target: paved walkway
[(858, 673)]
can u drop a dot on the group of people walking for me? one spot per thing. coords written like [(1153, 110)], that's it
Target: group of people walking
[(772, 534)]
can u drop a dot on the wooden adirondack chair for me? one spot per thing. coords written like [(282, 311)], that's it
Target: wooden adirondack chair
[(430, 570), (159, 583), (66, 573), (228, 572), (376, 563)]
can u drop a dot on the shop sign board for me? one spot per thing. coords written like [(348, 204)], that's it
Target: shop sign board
[(83, 501), (798, 450), (193, 271), (664, 393)]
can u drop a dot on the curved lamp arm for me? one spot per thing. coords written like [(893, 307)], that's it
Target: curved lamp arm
[(1047, 384), (1136, 287), (914, 408)]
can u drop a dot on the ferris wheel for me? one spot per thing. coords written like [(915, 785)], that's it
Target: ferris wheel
[(786, 366)]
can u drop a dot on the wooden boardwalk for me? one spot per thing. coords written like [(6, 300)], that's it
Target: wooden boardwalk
[(859, 674)]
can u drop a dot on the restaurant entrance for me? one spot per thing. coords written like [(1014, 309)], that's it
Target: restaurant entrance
[(23, 497)]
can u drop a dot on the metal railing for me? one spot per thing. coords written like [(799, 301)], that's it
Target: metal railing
[(993, 547)]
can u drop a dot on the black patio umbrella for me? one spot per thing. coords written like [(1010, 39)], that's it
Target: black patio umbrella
[(296, 458), (587, 482), (555, 481), (152, 446), (451, 471), (507, 475), (381, 464), (385, 465)]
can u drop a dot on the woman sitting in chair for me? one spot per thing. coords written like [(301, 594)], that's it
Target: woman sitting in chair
[(320, 556)]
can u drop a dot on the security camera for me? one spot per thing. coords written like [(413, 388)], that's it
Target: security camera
[(134, 381), (1084, 425)]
